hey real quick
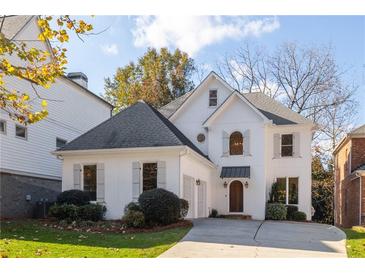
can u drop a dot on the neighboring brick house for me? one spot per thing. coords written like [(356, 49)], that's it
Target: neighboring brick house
[(349, 156)]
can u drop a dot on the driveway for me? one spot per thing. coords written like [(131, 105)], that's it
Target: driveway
[(224, 238)]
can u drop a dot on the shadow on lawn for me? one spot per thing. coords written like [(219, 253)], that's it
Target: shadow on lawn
[(34, 231)]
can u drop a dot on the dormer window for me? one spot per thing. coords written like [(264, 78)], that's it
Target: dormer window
[(213, 98)]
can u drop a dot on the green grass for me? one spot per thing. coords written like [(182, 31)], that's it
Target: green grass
[(355, 243), (30, 239)]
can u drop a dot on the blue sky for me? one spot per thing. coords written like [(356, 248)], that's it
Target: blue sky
[(208, 39)]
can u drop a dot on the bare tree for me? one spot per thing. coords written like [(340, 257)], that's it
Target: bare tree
[(247, 70), (305, 79)]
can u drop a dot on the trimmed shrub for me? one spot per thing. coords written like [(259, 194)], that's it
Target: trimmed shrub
[(134, 218), (66, 212), (132, 206), (91, 212), (213, 213), (299, 216), (290, 209), (276, 212), (73, 197), (184, 208), (160, 206)]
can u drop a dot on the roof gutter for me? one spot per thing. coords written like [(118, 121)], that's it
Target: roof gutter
[(114, 150), (199, 157)]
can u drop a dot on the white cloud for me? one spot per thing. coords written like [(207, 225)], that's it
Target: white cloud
[(193, 33), (111, 49)]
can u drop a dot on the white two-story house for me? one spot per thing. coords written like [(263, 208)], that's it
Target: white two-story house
[(214, 146), (28, 171)]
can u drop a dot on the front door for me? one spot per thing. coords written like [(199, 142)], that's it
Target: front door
[(236, 197)]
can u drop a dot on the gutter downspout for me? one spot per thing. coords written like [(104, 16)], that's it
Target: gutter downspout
[(181, 154)]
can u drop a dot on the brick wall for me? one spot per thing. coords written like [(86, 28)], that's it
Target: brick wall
[(347, 202), (357, 152), (13, 191)]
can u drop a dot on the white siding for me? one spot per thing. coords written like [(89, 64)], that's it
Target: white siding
[(72, 111), (118, 175)]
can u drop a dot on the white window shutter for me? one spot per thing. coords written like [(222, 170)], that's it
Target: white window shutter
[(225, 140), (136, 180), (296, 144), (277, 144), (77, 176), (100, 183), (161, 174), (246, 143)]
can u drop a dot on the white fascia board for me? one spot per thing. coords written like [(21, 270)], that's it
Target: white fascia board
[(194, 91), (226, 102), (200, 157), (117, 150)]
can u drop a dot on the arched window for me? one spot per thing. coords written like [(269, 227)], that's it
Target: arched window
[(236, 143)]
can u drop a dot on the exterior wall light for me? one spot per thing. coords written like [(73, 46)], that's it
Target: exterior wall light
[(246, 184), (197, 182), (225, 184)]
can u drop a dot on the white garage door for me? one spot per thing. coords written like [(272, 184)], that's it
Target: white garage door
[(202, 199), (189, 194)]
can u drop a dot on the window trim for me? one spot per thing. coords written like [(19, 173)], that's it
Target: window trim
[(287, 188), (229, 143), (281, 145), (61, 139), (216, 98), (26, 132), (5, 127), (96, 177)]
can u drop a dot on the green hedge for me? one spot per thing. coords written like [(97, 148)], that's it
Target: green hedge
[(276, 211)]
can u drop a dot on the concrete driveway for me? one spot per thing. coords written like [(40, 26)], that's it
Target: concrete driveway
[(224, 238)]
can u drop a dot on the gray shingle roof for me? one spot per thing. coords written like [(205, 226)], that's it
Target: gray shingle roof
[(13, 24), (272, 109), (359, 130), (139, 125)]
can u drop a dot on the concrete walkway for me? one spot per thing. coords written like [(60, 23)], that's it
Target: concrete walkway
[(224, 238)]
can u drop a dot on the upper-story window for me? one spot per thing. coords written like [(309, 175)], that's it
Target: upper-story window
[(60, 142), (287, 145), (3, 126), (236, 143), (213, 97), (21, 132)]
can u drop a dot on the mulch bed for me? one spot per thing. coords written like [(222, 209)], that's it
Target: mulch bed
[(109, 226)]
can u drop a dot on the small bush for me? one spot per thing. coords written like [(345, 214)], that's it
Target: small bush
[(290, 209), (70, 213), (276, 212), (66, 212), (132, 206), (134, 219), (213, 213), (184, 208), (299, 216), (73, 197), (160, 206), (91, 212)]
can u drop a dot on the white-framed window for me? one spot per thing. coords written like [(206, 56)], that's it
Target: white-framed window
[(213, 97), (3, 126), (21, 132), (287, 145), (288, 190), (89, 181), (60, 142)]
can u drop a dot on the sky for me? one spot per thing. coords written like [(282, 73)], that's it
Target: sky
[(207, 39)]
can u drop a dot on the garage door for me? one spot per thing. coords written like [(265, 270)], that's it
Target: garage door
[(189, 194), (202, 199)]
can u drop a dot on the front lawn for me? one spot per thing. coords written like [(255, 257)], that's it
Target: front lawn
[(355, 243), (29, 239)]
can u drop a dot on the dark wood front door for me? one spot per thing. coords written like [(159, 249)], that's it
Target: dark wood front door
[(236, 197)]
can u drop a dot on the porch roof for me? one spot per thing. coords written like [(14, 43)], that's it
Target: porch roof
[(235, 172)]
